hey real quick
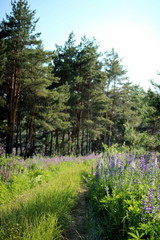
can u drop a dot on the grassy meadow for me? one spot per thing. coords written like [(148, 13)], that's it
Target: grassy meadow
[(38, 195)]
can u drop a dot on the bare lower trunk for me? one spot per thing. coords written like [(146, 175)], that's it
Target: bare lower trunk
[(63, 144), (57, 142), (78, 145), (46, 145), (69, 143), (51, 145), (12, 110), (29, 149)]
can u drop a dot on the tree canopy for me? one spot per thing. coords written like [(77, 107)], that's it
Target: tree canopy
[(71, 100)]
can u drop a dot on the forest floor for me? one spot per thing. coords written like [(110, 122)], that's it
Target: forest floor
[(78, 225)]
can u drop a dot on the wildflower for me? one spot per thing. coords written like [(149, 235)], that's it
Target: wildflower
[(142, 161), (129, 159), (98, 167), (147, 158), (120, 162), (146, 206), (158, 195), (151, 198), (112, 166), (148, 203)]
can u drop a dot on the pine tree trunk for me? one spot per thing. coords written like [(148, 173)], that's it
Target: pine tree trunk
[(12, 109), (51, 145), (78, 148), (46, 144), (30, 141), (73, 141), (20, 141), (78, 145), (69, 143), (17, 138), (82, 143), (87, 143), (57, 142), (63, 144), (10, 135)]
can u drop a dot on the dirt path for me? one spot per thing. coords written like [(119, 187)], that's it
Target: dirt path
[(78, 225)]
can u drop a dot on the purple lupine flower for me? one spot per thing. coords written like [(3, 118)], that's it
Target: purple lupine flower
[(129, 159), (148, 203), (120, 162), (98, 167), (147, 158), (146, 206), (158, 195), (112, 166), (121, 165), (151, 197), (147, 167), (112, 160), (142, 161)]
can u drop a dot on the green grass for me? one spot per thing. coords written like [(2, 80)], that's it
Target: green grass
[(44, 211)]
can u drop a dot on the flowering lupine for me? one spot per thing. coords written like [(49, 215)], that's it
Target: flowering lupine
[(119, 162), (111, 165), (129, 159), (151, 197), (146, 206), (97, 172), (142, 161), (148, 203), (158, 195)]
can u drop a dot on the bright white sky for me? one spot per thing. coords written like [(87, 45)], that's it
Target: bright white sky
[(131, 27)]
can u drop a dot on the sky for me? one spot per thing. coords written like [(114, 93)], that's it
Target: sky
[(131, 27)]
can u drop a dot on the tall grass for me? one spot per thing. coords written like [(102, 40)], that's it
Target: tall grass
[(43, 211)]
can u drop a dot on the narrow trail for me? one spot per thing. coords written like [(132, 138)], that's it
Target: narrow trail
[(78, 225)]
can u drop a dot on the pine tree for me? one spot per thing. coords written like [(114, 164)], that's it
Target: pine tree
[(81, 68), (64, 68), (16, 33), (116, 86), (2, 93), (89, 95), (25, 74)]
